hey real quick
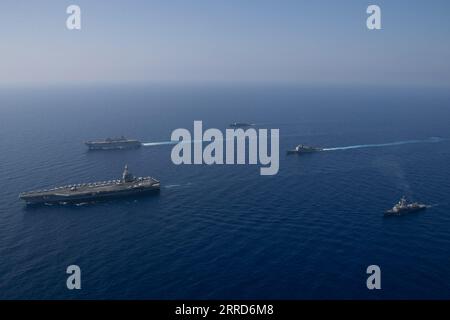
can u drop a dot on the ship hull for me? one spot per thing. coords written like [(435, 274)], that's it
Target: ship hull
[(89, 197), (404, 211), (303, 151)]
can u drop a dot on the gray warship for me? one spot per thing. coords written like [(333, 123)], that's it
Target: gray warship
[(300, 149), (240, 125), (76, 193), (113, 143), (404, 207)]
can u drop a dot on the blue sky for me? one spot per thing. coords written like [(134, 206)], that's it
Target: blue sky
[(175, 41)]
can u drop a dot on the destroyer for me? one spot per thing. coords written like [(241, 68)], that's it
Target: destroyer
[(113, 143), (75, 193), (304, 149), (404, 207)]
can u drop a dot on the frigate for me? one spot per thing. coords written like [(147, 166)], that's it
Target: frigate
[(128, 185)]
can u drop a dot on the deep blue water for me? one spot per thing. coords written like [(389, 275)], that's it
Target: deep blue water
[(225, 231)]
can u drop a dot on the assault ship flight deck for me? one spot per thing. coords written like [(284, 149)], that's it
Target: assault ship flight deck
[(113, 143), (75, 193)]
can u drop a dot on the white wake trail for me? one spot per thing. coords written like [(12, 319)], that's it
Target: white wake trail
[(162, 143), (379, 145)]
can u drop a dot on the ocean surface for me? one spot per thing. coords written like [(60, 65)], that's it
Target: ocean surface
[(225, 231)]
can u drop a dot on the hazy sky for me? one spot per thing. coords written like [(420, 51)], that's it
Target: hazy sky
[(314, 41)]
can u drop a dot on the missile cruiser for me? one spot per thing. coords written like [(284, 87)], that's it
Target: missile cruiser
[(404, 207), (113, 144), (129, 185), (300, 149)]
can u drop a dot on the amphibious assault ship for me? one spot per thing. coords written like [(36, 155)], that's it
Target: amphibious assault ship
[(76, 193), (113, 143), (404, 207), (304, 149)]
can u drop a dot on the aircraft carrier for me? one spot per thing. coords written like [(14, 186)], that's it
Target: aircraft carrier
[(113, 143), (76, 193)]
